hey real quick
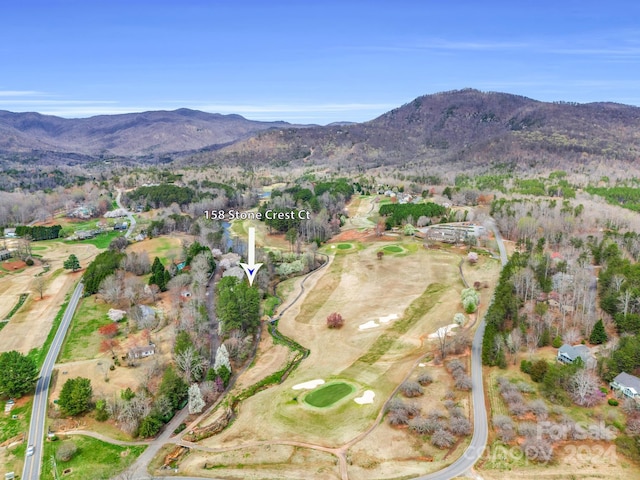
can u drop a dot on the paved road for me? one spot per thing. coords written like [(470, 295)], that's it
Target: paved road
[(481, 428), (132, 220), (32, 465), (491, 223), (480, 423)]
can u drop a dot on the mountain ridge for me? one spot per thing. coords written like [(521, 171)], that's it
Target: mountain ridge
[(156, 132), (467, 128)]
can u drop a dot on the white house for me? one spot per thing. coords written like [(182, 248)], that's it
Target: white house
[(628, 385), (142, 352)]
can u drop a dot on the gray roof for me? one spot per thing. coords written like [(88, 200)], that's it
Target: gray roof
[(627, 380), (576, 351)]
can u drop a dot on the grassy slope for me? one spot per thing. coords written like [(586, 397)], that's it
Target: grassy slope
[(82, 340), (94, 459)]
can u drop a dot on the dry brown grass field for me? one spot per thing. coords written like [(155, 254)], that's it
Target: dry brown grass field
[(362, 289), (29, 327)]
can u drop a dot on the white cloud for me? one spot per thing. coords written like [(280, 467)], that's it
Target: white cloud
[(19, 93)]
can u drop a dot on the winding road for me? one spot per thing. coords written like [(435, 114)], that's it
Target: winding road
[(458, 468)]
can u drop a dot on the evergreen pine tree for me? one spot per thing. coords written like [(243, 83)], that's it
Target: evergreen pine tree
[(598, 334)]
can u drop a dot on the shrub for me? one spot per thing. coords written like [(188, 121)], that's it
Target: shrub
[(518, 408), (454, 365), (460, 426), (539, 408), (449, 404), (539, 370), (525, 366), (398, 417), (29, 262), (436, 415), (101, 410), (527, 429), (463, 382), (150, 426), (66, 451), (396, 404), (456, 412), (127, 394), (613, 402), (557, 342), (525, 387), (442, 438), (538, 450), (335, 320), (419, 425), (425, 379), (411, 389)]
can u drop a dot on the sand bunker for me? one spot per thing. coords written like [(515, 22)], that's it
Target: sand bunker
[(446, 330), (370, 324), (308, 385), (373, 324), (388, 318), (367, 397), (422, 364)]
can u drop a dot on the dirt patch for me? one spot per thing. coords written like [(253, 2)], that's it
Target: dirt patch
[(14, 265), (350, 235), (270, 358), (30, 326), (260, 462)]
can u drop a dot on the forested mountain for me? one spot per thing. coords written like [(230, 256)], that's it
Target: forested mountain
[(466, 128), (130, 135)]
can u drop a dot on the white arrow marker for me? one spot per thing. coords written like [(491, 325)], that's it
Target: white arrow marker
[(251, 268)]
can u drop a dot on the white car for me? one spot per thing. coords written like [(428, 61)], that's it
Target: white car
[(30, 450)]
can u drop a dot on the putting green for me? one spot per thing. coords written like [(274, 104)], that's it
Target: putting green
[(344, 246), (329, 394), (393, 249)]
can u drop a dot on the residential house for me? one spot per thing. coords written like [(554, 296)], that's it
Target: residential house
[(84, 235), (5, 254), (142, 352), (628, 385), (569, 353), (10, 232)]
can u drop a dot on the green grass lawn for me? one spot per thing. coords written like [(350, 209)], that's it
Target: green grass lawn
[(270, 305), (10, 427), (103, 240), (94, 460), (83, 341), (393, 249), (329, 394), (344, 246), (167, 249)]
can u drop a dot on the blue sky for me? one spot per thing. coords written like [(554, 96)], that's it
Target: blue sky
[(309, 62)]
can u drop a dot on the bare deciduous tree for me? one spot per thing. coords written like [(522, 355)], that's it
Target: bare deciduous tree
[(584, 388), (40, 285), (191, 364)]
